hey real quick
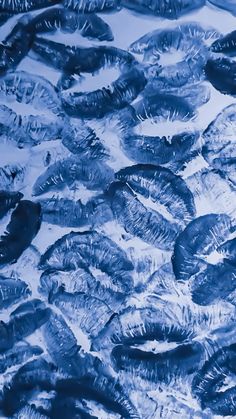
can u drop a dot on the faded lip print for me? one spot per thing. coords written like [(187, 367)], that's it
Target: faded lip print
[(117, 209)]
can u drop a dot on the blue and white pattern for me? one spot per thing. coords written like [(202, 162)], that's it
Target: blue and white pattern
[(117, 209)]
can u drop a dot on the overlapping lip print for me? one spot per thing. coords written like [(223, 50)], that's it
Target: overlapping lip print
[(117, 209)]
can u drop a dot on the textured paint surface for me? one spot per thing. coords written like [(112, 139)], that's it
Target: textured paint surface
[(117, 209)]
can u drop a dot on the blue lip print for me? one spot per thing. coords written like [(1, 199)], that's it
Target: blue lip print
[(28, 130), (221, 74), (225, 45), (23, 227), (175, 76), (220, 279), (90, 249), (228, 250), (80, 139), (189, 41), (102, 389), (80, 281), (228, 5), (145, 223), (12, 290), (161, 367), (36, 374), (18, 355), (94, 175), (69, 407), (8, 200), (154, 106), (30, 411), (201, 237), (68, 213), (19, 6), (160, 185), (162, 322), (136, 326), (62, 346), (208, 384), (27, 307), (88, 25), (159, 150), (31, 90), (222, 126), (89, 312), (163, 40), (62, 255), (11, 176), (78, 60), (37, 93), (60, 342), (190, 69), (92, 6), (103, 101), (218, 148), (173, 10), (12, 49), (195, 95), (20, 326), (176, 151)]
